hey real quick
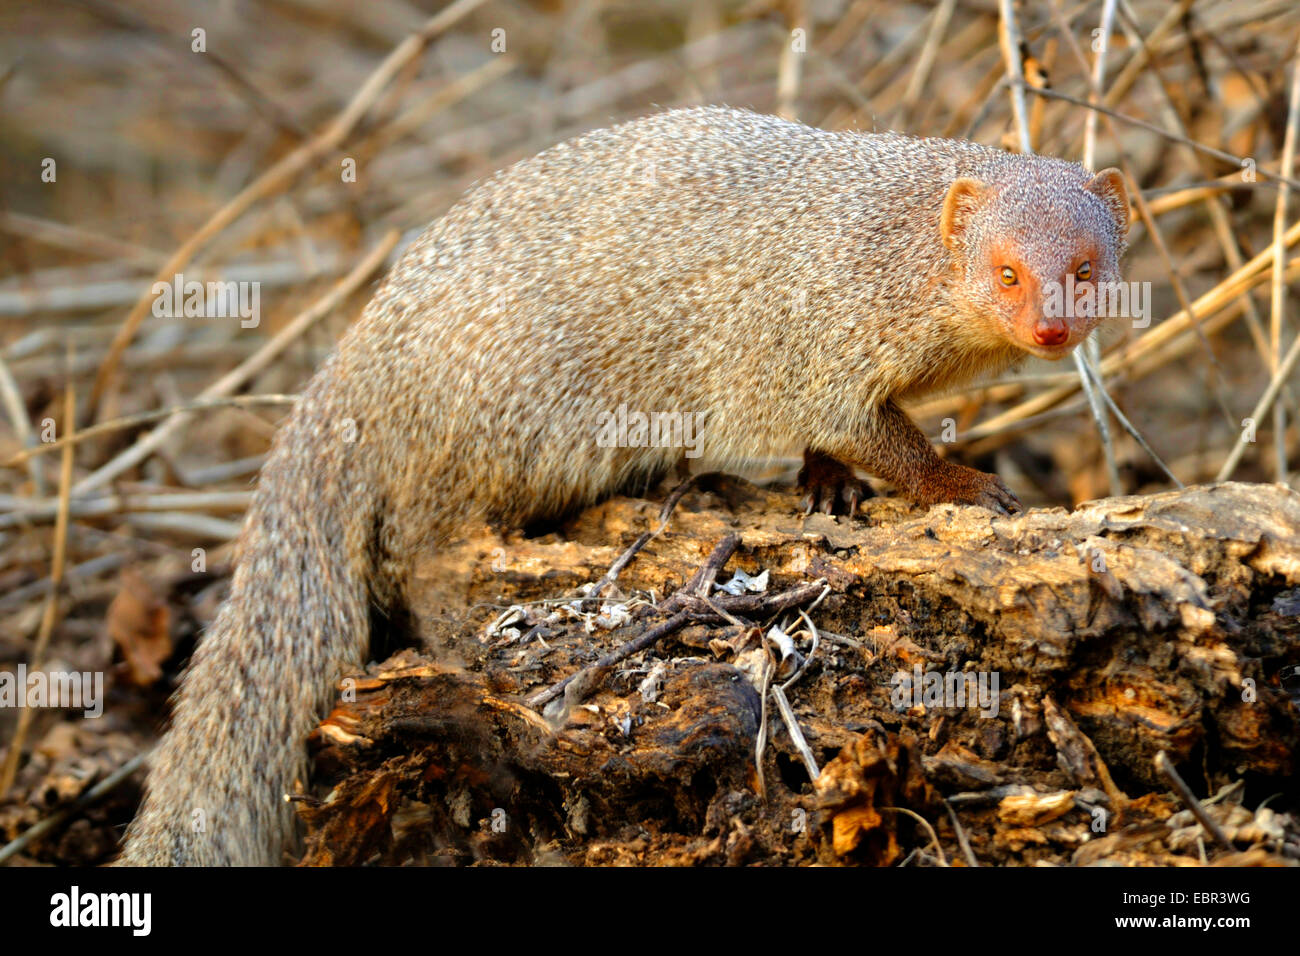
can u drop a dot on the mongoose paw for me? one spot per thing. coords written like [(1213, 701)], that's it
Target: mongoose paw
[(967, 486), (996, 496), (830, 486)]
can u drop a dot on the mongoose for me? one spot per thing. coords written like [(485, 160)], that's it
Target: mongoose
[(790, 286)]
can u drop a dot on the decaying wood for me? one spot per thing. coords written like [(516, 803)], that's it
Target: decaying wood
[(1130, 627)]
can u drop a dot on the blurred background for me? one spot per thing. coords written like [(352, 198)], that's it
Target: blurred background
[(299, 144)]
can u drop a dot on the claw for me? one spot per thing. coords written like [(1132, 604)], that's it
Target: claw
[(830, 485)]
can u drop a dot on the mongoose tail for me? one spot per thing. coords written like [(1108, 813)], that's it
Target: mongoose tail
[(296, 620), (769, 287)]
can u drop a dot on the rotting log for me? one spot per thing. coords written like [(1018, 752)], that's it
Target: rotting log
[(1126, 628)]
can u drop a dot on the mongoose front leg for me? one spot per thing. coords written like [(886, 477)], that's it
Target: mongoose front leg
[(829, 483), (893, 448)]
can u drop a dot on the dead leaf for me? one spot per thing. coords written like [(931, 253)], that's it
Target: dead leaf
[(139, 623)]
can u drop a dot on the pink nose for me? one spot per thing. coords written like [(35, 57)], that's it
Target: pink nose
[(1049, 334)]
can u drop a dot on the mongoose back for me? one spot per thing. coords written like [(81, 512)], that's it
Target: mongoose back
[(787, 285)]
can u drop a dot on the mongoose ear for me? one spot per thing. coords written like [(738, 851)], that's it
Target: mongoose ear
[(1109, 185), (964, 197)]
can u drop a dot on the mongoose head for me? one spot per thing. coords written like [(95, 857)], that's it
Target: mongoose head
[(1034, 244)]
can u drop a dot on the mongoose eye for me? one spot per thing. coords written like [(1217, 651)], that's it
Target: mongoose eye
[(1084, 272), (1008, 275)]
